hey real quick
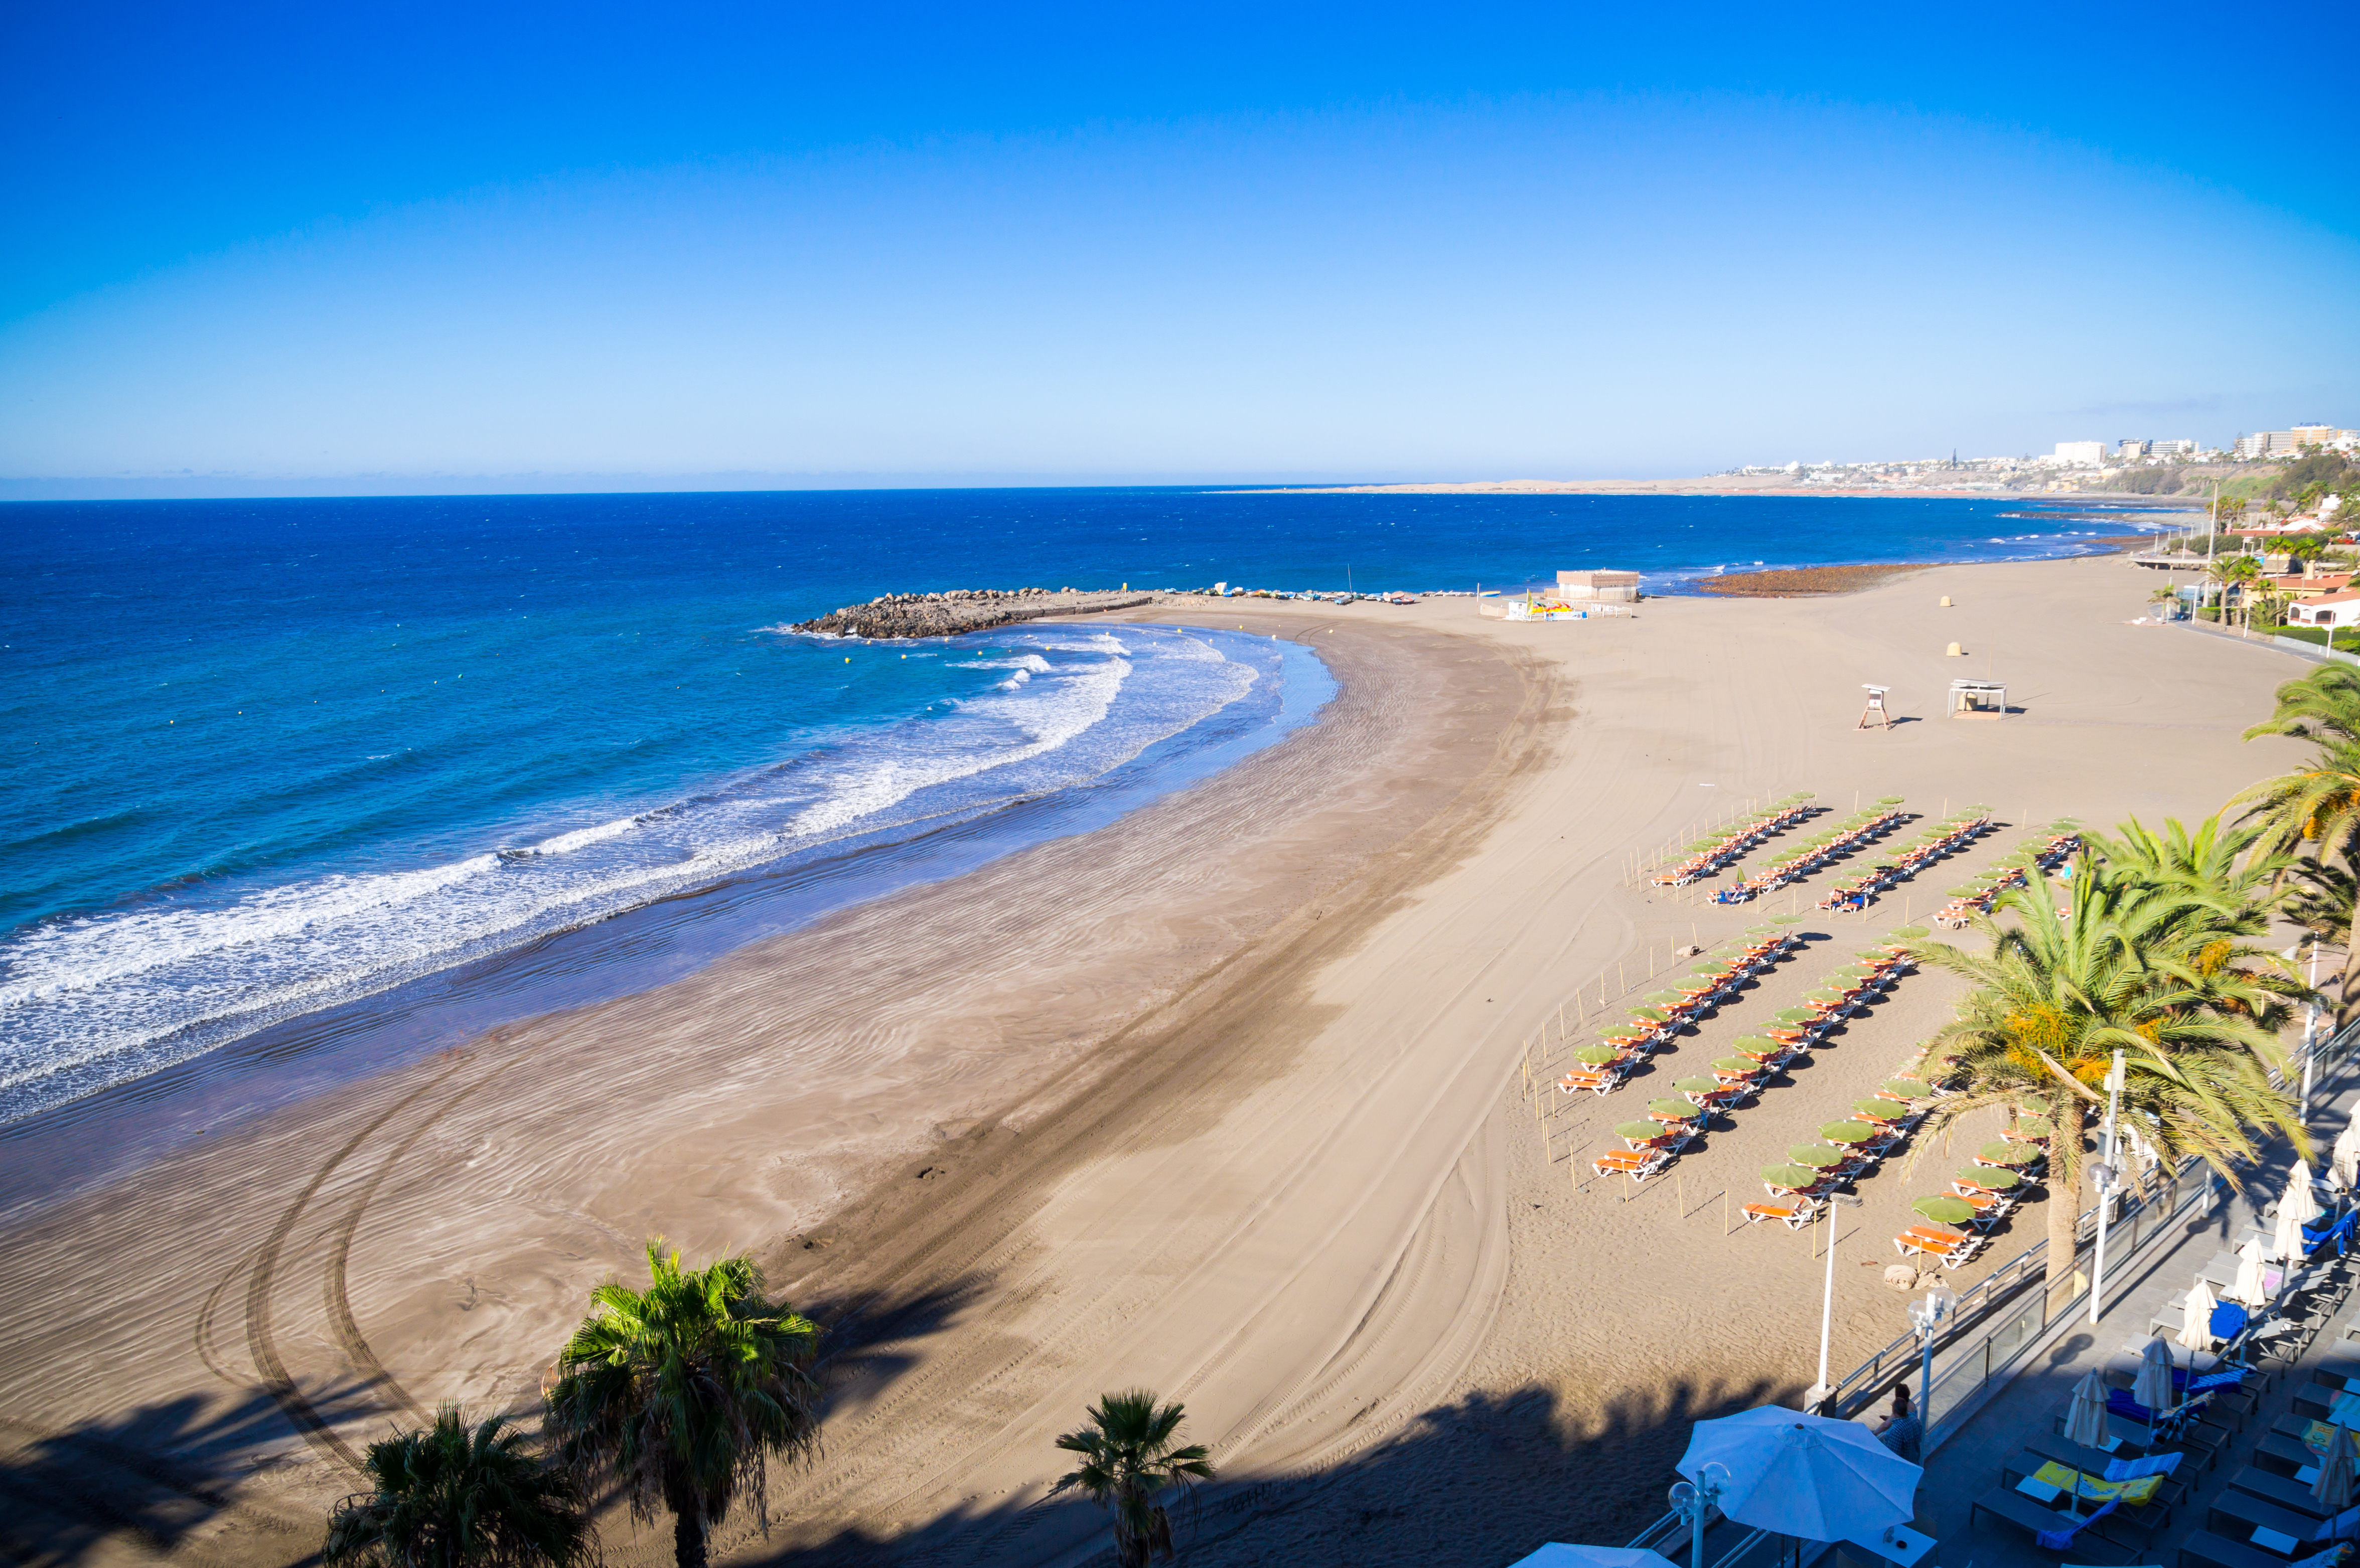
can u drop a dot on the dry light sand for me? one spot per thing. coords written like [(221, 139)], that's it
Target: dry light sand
[(1224, 1101)]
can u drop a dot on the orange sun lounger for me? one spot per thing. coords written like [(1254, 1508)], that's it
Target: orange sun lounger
[(1631, 1163)]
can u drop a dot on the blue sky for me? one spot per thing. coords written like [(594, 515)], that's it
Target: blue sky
[(423, 247)]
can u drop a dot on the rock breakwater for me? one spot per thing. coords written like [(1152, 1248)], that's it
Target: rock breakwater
[(964, 610)]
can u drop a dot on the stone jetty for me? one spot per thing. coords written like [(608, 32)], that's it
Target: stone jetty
[(964, 610)]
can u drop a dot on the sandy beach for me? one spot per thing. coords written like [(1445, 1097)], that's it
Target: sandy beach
[(1224, 1100)]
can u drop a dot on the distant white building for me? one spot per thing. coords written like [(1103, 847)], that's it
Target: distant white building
[(2132, 446), (2171, 449), (2081, 454)]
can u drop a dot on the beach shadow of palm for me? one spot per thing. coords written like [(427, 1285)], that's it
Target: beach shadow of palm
[(147, 1480), (1478, 1481)]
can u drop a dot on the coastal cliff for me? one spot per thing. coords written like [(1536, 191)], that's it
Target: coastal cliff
[(963, 610)]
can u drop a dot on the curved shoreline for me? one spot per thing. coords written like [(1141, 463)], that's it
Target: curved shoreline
[(1223, 1100)]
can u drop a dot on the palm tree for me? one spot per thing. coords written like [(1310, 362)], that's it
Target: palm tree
[(2132, 967), (682, 1391), (449, 1498), (1128, 1460), (2315, 809)]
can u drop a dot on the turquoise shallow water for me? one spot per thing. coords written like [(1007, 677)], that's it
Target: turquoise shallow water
[(275, 758)]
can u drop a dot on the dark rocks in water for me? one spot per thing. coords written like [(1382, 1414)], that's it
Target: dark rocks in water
[(963, 610)]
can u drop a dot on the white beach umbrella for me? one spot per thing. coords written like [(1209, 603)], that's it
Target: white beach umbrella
[(1804, 1476), (2247, 1289), (2333, 1486), (2286, 1240), (2153, 1386), (2299, 1196), (2344, 1160), (2085, 1423), (1557, 1554), (2196, 1324)]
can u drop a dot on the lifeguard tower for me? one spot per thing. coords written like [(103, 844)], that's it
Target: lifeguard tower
[(1978, 700)]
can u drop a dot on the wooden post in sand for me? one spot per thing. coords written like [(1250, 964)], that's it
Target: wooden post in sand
[(1621, 987)]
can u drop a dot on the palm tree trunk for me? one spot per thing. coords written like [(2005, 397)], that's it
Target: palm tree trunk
[(2064, 1198), (687, 1539)]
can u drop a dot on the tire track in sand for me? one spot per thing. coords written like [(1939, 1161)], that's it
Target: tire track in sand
[(307, 1420)]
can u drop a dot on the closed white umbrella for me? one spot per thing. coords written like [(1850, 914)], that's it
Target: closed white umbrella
[(2248, 1289), (2297, 1208), (2085, 1423), (2332, 1487), (2343, 1159), (2153, 1386), (1804, 1476), (2196, 1319)]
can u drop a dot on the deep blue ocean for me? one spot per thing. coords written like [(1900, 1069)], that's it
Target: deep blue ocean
[(276, 757)]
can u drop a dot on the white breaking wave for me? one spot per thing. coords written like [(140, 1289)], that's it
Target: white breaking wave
[(87, 1001)]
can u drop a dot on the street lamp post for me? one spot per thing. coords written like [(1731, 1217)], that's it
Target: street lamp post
[(1693, 1500), (2106, 1172), (1928, 1314)]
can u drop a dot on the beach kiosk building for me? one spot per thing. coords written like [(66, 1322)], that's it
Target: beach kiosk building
[(1612, 587)]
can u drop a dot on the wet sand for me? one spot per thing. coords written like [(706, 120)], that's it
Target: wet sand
[(1224, 1100)]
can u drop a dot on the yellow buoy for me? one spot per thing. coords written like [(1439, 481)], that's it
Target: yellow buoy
[(1946, 600), (1954, 652)]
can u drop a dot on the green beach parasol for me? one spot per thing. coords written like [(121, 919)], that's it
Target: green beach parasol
[(2033, 1127), (1944, 1209), (2010, 1154), (1755, 1043), (1909, 1086), (1965, 890), (1736, 1064), (1765, 929), (1890, 799), (1698, 1086), (1797, 1015), (1909, 933), (1641, 1130), (1882, 1110), (1790, 1176), (1664, 997), (1997, 1180), (1679, 1109), (1848, 1132), (1785, 920), (1597, 1056), (1649, 1015), (1818, 1156)]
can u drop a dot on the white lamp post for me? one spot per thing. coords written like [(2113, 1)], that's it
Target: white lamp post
[(2106, 1172), (1928, 1314), (1693, 1500)]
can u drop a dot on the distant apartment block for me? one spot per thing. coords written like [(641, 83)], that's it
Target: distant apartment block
[(2280, 443), (2081, 454)]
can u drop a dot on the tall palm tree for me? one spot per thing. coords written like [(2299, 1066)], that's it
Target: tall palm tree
[(2315, 809), (2130, 969), (1129, 1458), (448, 1496), (682, 1393)]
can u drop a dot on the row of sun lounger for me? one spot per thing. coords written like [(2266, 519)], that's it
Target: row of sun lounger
[(1968, 902), (1878, 1124), (1857, 892), (1807, 858), (1604, 1067), (1710, 855)]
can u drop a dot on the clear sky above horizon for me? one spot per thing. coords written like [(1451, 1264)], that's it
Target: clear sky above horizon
[(273, 246)]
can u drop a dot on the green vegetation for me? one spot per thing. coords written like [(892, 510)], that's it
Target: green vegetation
[(2312, 814), (448, 1496), (2152, 959), (679, 1393), (1130, 1457)]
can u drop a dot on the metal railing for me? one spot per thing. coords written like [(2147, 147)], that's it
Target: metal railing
[(2007, 1310), (2000, 1317)]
